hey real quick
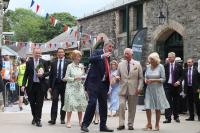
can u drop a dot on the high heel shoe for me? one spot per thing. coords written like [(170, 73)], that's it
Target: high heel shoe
[(68, 125), (148, 128), (156, 128)]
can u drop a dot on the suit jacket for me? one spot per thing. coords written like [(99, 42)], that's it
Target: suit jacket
[(178, 70), (53, 72), (96, 72), (29, 74), (132, 81), (195, 79)]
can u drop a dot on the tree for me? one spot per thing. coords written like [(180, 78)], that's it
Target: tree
[(28, 26)]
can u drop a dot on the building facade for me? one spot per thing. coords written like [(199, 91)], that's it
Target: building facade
[(134, 24)]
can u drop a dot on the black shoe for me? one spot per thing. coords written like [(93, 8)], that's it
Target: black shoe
[(33, 122), (121, 128), (190, 119), (51, 122), (62, 122), (38, 124), (84, 129), (96, 123), (177, 120), (167, 121), (106, 129), (20, 108), (130, 128)]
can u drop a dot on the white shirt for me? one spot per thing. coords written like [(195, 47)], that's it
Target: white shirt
[(62, 65), (199, 65), (170, 73)]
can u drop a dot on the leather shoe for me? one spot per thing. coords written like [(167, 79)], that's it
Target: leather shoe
[(167, 121), (130, 128), (51, 122), (84, 128), (38, 124), (106, 129), (121, 128), (62, 122), (33, 122), (190, 119), (177, 120)]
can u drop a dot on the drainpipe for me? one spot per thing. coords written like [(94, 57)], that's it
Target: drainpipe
[(127, 25)]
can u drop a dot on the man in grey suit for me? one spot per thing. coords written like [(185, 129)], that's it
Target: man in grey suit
[(130, 76)]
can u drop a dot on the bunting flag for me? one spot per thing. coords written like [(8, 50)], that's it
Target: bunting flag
[(65, 27), (50, 45), (84, 42), (71, 31), (47, 15), (32, 3), (37, 8), (56, 21), (16, 44), (42, 12), (75, 34), (67, 45), (55, 45), (72, 43), (52, 19), (61, 44)]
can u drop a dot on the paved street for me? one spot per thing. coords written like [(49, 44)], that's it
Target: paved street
[(14, 121)]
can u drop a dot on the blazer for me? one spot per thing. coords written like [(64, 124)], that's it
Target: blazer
[(96, 72), (195, 79), (178, 70), (53, 72), (132, 81), (29, 73)]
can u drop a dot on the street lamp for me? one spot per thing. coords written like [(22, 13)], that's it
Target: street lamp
[(5, 4), (162, 18)]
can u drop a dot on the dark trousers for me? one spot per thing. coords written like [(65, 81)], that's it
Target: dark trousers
[(101, 95), (59, 89), (36, 98), (173, 95), (193, 99)]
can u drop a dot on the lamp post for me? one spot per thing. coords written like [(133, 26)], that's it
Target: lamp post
[(162, 6)]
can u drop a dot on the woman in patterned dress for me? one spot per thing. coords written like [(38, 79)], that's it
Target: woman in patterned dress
[(155, 97), (75, 98)]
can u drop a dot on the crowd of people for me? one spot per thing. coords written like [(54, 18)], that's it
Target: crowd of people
[(105, 87)]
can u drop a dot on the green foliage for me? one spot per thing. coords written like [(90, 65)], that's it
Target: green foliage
[(28, 26)]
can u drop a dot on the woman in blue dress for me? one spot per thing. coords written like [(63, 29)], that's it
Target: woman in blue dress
[(114, 90), (155, 98)]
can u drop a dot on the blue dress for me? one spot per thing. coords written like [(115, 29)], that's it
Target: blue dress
[(114, 95), (155, 97)]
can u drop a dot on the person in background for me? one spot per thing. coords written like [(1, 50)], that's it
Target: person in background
[(57, 85), (21, 71), (35, 73), (155, 97), (114, 90), (75, 98), (173, 73), (191, 79)]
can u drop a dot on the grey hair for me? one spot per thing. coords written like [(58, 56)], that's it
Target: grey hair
[(108, 42), (128, 50), (154, 56), (172, 53)]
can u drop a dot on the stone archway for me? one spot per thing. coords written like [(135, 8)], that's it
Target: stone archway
[(164, 33)]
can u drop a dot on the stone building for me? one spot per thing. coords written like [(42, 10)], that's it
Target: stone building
[(135, 24)]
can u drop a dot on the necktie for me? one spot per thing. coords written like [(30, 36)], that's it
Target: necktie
[(172, 73), (190, 77), (107, 69), (35, 72), (59, 70), (128, 67)]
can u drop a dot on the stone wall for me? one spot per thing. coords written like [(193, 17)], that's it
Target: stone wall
[(184, 18)]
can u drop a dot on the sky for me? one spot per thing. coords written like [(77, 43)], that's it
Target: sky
[(77, 8)]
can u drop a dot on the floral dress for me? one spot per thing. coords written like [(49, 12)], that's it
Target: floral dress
[(75, 98)]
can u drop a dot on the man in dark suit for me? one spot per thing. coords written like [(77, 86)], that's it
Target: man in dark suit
[(97, 85), (35, 73), (57, 86), (191, 79), (173, 72)]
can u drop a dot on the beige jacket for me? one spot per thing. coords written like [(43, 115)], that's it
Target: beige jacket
[(132, 81)]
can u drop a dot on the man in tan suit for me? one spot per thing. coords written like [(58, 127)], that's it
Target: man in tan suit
[(130, 77)]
